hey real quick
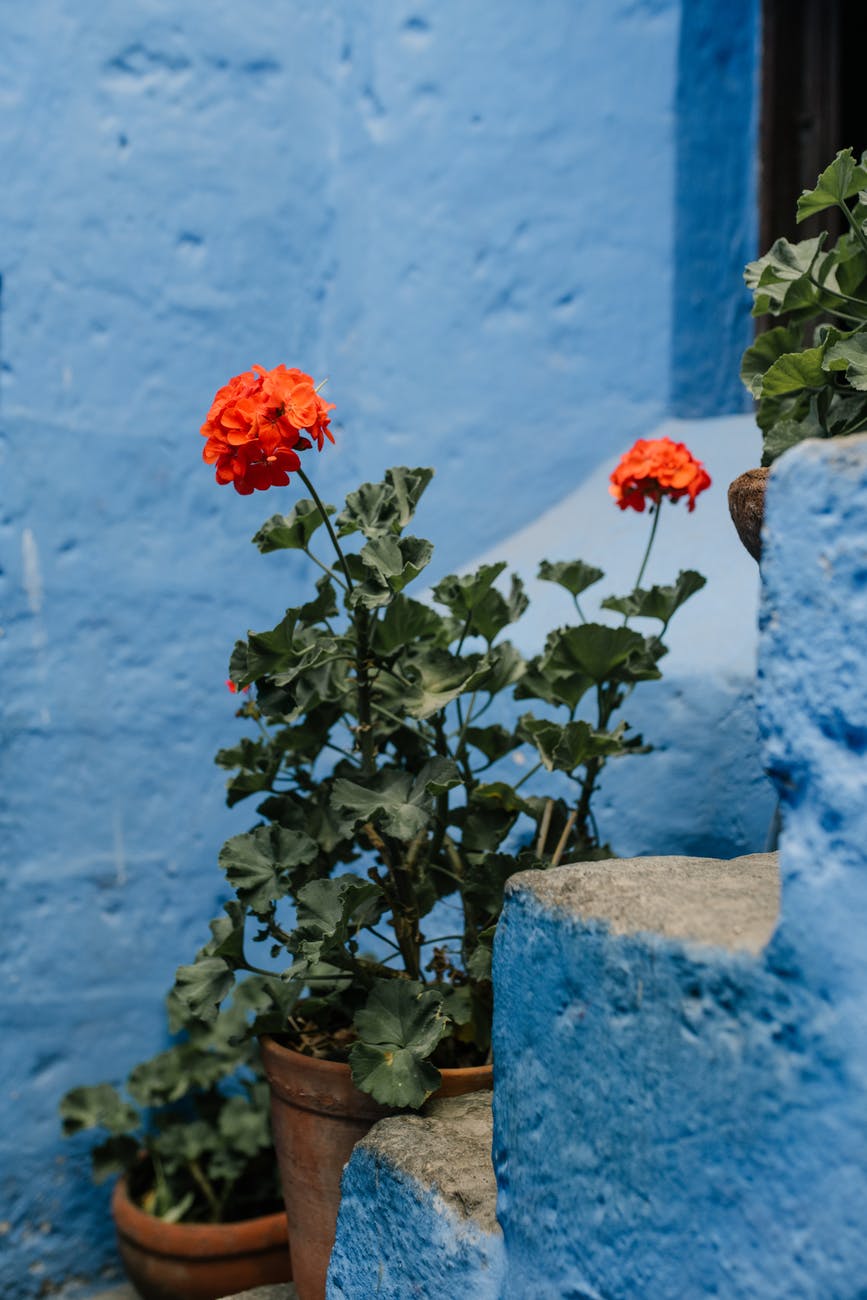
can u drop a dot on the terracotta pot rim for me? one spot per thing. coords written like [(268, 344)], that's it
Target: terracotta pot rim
[(194, 1240), (314, 1063), (271, 1044)]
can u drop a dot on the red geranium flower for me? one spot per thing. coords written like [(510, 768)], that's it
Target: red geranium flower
[(655, 468), (256, 425)]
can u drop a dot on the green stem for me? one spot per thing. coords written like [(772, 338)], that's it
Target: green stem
[(206, 1189), (855, 227), (837, 293), (327, 522), (527, 775), (324, 567), (649, 543), (362, 659), (383, 938)]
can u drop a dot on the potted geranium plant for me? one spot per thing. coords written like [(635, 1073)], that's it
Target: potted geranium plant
[(197, 1205), (809, 373), (390, 819)]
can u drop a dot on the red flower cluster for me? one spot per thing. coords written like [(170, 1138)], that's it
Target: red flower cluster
[(256, 424), (655, 468)]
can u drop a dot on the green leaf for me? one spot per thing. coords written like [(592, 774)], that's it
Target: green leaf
[(117, 1155), (781, 281), (489, 815), (326, 907), (495, 742), (548, 678), (502, 795), (398, 803), (574, 575), (406, 622), (292, 531), (259, 864), (794, 371), (502, 666), (841, 180), (783, 435), (170, 1075), (243, 1126), (480, 962), (185, 1141), (563, 748), (658, 602), (271, 1000), (390, 565), (439, 775), (850, 355), (768, 348), (323, 606), (477, 607), (176, 1212), (457, 1003), (591, 650), (383, 509), (398, 1028), (494, 611), (288, 651), (202, 986), (228, 934), (486, 883), (97, 1106), (329, 913), (437, 678)]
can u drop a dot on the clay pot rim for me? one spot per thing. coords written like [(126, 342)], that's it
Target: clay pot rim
[(315, 1063), (195, 1240)]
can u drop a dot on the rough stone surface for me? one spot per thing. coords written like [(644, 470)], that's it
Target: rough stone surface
[(417, 1215), (728, 904), (447, 1149), (672, 1118), (385, 194)]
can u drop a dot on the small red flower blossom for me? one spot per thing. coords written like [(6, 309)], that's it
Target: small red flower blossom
[(655, 468), (234, 689), (259, 422)]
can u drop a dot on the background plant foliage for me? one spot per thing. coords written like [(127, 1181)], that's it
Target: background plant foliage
[(809, 375), (191, 1130), (378, 764)]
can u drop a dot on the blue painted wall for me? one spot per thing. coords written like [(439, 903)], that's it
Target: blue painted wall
[(466, 217), (716, 207)]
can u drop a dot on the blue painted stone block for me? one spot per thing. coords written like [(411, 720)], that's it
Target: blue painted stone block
[(679, 1083), (417, 1209)]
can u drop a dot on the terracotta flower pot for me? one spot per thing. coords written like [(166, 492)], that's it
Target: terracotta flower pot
[(198, 1261), (747, 508), (317, 1116)]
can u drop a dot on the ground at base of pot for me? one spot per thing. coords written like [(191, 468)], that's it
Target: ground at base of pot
[(124, 1291), (279, 1291)]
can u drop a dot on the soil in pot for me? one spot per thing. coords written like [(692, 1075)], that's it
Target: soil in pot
[(317, 1116), (198, 1261)]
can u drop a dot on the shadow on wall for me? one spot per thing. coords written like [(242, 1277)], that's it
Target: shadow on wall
[(716, 220), (703, 789)]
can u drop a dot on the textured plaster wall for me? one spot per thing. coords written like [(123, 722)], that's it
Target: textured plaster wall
[(465, 216), (675, 1118)]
